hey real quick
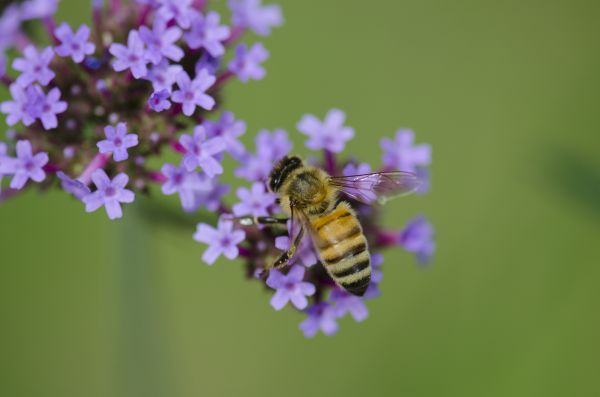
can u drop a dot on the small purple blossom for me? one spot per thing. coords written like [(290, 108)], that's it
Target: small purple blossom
[(163, 75), (35, 66), (200, 152), (187, 184), (192, 93), (27, 166), (221, 241), (270, 147), (290, 287), (211, 200), (109, 193), (73, 186), (255, 201), (160, 42), (354, 169), (347, 303), (330, 134), (20, 108), (402, 154), (247, 62), (253, 15), (321, 316), (417, 237), (117, 141), (207, 33), (230, 130), (208, 62), (132, 56), (38, 9), (75, 45), (179, 10), (48, 106), (159, 101), (305, 253)]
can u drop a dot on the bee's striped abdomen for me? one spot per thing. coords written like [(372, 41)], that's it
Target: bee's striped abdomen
[(343, 248)]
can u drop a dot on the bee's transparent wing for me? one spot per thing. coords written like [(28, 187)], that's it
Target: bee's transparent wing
[(377, 187)]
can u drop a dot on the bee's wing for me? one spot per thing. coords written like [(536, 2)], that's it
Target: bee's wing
[(378, 186)]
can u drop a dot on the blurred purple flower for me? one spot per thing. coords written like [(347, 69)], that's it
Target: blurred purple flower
[(47, 106), (75, 45), (270, 147), (26, 166), (354, 169), (159, 101), (330, 134), (200, 152), (38, 9), (117, 141), (401, 153), (160, 41), (255, 201), (208, 62), (230, 130), (290, 287), (187, 184), (221, 241), (192, 93), (417, 237), (211, 200), (253, 15), (207, 33), (305, 253), (179, 10), (321, 316), (109, 193), (19, 109), (132, 56), (347, 303), (247, 62), (34, 66), (163, 75)]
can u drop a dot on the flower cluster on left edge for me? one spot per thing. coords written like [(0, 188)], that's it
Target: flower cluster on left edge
[(91, 105)]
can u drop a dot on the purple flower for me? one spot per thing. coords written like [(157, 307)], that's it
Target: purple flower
[(75, 45), (270, 147), (192, 93), (211, 200), (305, 252), (46, 107), (200, 152), (159, 101), (230, 130), (417, 237), (38, 9), (247, 62), (353, 169), (321, 316), (208, 62), (160, 41), (255, 201), (179, 10), (290, 287), (73, 186), (35, 66), (109, 193), (117, 141), (10, 26), (132, 57), (401, 154), (187, 184), (221, 241), (163, 75), (27, 166), (252, 14), (20, 108), (208, 34), (347, 303), (330, 134)]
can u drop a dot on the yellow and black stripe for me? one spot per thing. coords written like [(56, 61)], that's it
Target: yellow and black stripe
[(343, 248)]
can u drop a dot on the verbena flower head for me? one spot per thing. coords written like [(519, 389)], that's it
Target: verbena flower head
[(92, 114)]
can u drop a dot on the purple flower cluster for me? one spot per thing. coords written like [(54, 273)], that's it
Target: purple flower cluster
[(91, 109)]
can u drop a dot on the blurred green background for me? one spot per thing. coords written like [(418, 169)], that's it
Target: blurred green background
[(506, 92)]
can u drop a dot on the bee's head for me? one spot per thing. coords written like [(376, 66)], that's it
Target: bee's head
[(282, 170)]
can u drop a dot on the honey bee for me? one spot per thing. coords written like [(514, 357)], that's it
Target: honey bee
[(310, 196)]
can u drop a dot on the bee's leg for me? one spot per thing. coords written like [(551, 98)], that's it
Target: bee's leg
[(260, 220), (285, 257)]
